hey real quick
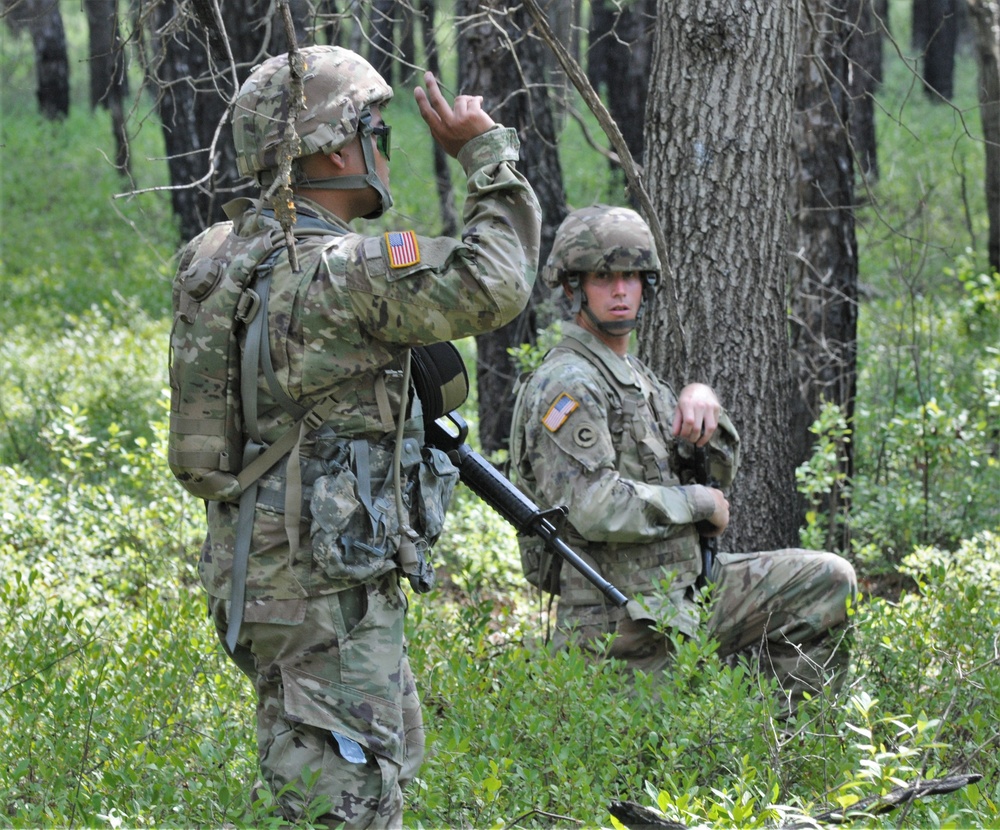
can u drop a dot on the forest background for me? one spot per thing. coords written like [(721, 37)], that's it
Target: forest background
[(119, 709)]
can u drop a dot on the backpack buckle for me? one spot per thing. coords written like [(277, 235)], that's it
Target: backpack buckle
[(247, 306)]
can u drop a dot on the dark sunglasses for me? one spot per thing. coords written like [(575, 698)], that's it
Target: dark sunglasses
[(383, 136)]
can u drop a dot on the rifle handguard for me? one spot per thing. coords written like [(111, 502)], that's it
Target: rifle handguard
[(526, 517)]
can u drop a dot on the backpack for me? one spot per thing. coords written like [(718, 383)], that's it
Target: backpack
[(220, 289), (213, 299)]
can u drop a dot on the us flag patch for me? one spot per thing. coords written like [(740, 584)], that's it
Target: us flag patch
[(560, 410), (403, 250)]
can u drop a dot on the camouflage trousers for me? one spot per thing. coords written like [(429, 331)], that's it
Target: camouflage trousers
[(786, 609), (338, 717)]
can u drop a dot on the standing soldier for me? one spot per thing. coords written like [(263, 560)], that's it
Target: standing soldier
[(595, 430), (304, 581)]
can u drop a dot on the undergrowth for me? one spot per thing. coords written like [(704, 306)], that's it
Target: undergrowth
[(120, 711)]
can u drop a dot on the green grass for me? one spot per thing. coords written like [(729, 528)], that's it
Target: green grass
[(120, 711)]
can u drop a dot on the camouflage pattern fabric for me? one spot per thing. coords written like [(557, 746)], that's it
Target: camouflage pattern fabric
[(337, 85), (600, 238), (609, 456), (341, 327), (335, 696)]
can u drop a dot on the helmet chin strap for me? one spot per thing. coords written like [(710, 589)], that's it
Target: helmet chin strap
[(614, 327), (370, 179)]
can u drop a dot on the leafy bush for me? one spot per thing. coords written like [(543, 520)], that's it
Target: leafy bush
[(926, 436), (121, 711)]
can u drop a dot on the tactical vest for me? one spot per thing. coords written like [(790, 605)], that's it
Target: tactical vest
[(375, 541), (643, 452)]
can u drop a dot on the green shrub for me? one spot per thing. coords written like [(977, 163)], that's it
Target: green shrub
[(120, 710)]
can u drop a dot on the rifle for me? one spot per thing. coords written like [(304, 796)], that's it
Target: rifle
[(493, 488), (709, 545)]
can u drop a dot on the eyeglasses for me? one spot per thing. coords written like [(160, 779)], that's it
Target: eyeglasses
[(383, 135)]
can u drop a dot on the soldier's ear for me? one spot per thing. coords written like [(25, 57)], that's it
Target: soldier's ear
[(337, 159)]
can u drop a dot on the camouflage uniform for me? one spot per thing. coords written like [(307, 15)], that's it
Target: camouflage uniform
[(592, 431), (323, 622)]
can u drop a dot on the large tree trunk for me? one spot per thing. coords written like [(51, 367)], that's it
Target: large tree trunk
[(515, 94), (986, 23), (44, 22), (717, 158), (823, 276)]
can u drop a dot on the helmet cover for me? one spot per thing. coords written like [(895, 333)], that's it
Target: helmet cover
[(601, 239), (338, 84)]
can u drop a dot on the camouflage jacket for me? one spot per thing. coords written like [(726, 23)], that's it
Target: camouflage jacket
[(592, 431), (341, 327)]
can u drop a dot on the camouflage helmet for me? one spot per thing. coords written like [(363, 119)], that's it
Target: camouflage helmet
[(339, 85), (601, 238)]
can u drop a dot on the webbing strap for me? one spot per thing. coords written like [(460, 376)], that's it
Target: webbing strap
[(241, 553), (256, 331), (279, 394), (363, 473), (382, 399)]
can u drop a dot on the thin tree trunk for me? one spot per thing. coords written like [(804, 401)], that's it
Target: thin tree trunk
[(106, 59), (864, 50), (44, 22), (717, 159), (935, 34), (108, 78), (986, 23), (618, 59), (515, 94), (382, 49)]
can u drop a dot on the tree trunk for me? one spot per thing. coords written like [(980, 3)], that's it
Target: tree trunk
[(193, 91), (823, 278), (44, 22), (108, 78), (621, 41), (515, 94), (935, 34), (106, 61), (382, 51), (864, 51), (717, 160), (986, 23)]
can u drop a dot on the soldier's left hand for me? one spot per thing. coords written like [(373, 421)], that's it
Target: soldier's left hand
[(697, 415)]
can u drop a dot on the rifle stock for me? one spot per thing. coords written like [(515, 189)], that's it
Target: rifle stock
[(517, 509)]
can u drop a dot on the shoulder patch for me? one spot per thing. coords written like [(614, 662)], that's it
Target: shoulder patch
[(403, 249), (372, 252), (562, 407)]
